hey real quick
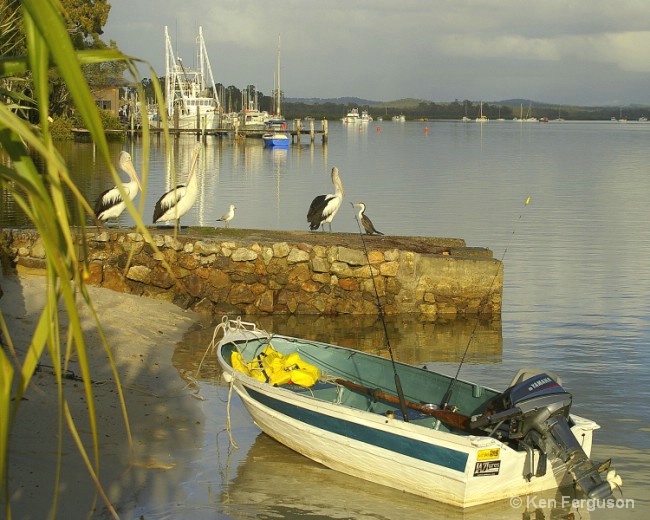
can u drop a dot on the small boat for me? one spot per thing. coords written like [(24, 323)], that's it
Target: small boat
[(276, 140), (481, 118), (442, 438), (401, 118)]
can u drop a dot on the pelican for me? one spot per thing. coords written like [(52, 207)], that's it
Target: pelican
[(365, 221), (178, 201), (228, 215), (110, 204), (324, 207)]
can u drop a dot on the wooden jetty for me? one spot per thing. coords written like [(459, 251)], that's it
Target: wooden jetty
[(297, 131)]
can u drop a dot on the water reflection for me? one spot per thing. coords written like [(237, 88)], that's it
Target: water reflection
[(275, 482), (414, 340)]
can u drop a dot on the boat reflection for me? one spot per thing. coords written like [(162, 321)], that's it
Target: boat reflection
[(273, 480)]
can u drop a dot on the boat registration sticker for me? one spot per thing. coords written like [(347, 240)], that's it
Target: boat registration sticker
[(487, 468), (490, 454)]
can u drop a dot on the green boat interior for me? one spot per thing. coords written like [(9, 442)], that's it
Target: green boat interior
[(372, 381)]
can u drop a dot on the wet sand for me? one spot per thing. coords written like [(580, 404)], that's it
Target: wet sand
[(163, 411)]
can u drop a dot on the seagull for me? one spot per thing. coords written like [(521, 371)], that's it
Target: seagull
[(228, 216), (365, 221), (178, 201), (324, 207), (110, 204)]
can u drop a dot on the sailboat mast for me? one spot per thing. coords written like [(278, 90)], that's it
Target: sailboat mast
[(279, 112)]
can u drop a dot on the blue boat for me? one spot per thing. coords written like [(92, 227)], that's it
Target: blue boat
[(276, 140)]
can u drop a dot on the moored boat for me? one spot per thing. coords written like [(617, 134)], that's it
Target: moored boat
[(276, 140), (442, 438), (191, 94), (255, 119), (365, 117), (352, 116)]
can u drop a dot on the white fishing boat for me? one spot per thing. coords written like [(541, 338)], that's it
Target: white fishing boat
[(352, 116), (365, 117), (190, 93), (251, 117), (400, 118), (255, 119), (410, 428)]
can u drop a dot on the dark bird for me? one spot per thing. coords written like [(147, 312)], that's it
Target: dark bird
[(365, 221), (324, 207), (228, 215), (178, 201), (110, 204)]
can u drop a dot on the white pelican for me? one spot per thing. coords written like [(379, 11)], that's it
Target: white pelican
[(110, 204), (228, 215), (324, 207), (178, 201), (365, 221)]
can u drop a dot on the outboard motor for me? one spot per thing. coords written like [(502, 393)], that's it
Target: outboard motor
[(536, 412)]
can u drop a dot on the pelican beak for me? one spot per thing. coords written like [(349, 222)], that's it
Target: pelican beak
[(130, 169), (195, 157)]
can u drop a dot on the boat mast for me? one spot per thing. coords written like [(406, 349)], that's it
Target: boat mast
[(169, 72), (279, 112), (204, 58)]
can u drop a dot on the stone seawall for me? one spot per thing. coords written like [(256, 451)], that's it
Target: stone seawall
[(261, 272)]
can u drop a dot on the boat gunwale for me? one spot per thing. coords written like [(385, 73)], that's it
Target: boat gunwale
[(470, 441), (237, 335)]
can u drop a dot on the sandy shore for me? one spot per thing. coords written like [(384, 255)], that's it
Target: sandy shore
[(162, 410)]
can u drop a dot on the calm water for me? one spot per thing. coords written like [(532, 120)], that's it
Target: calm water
[(576, 286)]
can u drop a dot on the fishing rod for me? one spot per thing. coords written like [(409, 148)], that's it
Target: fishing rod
[(380, 312), (452, 384)]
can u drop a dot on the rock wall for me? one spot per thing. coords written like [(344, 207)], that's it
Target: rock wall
[(286, 273)]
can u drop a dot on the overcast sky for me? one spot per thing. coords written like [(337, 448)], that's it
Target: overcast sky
[(585, 52)]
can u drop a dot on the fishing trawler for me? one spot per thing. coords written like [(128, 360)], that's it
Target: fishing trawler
[(191, 100)]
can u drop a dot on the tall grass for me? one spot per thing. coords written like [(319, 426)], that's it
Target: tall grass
[(40, 194)]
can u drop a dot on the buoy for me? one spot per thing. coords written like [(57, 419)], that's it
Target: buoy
[(379, 129), (426, 130)]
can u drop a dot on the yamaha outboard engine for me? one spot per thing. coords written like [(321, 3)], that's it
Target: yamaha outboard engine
[(536, 413)]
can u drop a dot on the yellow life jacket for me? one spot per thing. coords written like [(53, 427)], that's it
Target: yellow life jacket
[(272, 367)]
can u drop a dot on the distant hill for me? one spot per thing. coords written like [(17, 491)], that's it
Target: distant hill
[(335, 101), (347, 101), (405, 103), (517, 102), (412, 103)]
